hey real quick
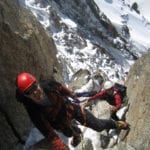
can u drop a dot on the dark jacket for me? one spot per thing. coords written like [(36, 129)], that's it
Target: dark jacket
[(53, 115)]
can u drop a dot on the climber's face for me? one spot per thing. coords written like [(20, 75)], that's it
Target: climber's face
[(110, 91), (36, 94)]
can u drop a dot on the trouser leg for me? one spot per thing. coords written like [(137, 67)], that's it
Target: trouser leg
[(114, 116), (91, 121), (71, 129), (98, 124), (67, 131)]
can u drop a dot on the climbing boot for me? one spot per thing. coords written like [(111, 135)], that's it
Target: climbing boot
[(122, 125), (75, 140)]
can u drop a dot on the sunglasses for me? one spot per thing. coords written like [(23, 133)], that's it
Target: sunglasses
[(31, 89)]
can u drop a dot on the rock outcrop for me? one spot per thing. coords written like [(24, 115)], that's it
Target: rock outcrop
[(139, 97), (24, 46)]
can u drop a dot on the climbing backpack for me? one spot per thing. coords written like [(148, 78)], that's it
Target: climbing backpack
[(121, 89), (51, 86)]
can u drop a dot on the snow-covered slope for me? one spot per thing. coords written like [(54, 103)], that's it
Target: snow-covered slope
[(85, 38), (121, 13), (143, 7)]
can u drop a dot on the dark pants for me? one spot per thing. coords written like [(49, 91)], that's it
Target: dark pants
[(87, 118), (71, 130), (114, 116)]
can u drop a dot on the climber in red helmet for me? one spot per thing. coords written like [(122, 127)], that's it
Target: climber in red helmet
[(49, 109)]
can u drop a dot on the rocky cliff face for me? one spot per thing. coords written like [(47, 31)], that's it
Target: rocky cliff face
[(24, 46), (139, 97)]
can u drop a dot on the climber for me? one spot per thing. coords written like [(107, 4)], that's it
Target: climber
[(49, 109), (113, 94)]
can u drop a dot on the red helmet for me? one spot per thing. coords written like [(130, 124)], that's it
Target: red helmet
[(24, 81)]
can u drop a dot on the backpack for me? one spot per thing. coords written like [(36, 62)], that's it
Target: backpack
[(51, 86), (121, 89)]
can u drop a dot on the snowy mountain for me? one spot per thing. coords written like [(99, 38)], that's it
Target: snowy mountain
[(133, 14), (106, 35)]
